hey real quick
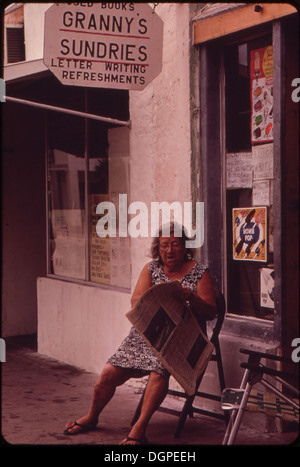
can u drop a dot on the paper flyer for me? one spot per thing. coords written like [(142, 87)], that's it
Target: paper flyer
[(267, 288)]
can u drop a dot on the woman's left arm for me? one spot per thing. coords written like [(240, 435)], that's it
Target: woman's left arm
[(203, 301)]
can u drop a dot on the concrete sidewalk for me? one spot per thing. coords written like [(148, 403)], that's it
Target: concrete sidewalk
[(40, 394)]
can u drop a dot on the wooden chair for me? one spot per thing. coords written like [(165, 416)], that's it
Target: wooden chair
[(188, 408)]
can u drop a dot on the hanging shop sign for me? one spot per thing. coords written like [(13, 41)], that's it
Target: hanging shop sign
[(108, 45), (261, 70), (250, 233)]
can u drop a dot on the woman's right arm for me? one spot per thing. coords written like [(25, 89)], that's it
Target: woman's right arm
[(142, 285)]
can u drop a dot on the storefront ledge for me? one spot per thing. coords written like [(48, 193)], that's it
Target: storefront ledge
[(252, 328), (89, 284)]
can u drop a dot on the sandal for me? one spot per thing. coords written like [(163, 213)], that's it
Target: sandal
[(83, 429), (136, 440)]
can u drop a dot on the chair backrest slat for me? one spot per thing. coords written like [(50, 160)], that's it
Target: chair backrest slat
[(220, 301)]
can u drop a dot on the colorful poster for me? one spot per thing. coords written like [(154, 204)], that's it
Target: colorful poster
[(249, 226), (261, 77)]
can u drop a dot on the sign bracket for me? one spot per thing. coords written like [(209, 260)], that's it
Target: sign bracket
[(69, 111)]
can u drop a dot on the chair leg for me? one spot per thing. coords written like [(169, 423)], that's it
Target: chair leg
[(188, 405), (221, 375), (186, 410), (220, 366), (237, 414), (229, 427)]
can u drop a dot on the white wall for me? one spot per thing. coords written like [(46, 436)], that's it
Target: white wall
[(160, 143), (34, 29), (79, 324)]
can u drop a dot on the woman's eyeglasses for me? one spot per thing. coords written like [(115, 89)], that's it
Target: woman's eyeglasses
[(164, 246)]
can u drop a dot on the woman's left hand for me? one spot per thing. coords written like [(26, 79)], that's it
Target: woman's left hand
[(183, 295)]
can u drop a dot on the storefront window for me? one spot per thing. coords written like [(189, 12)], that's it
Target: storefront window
[(88, 164), (108, 150), (249, 177), (66, 178)]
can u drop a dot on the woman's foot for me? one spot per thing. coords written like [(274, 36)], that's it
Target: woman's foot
[(134, 441), (135, 437), (81, 425)]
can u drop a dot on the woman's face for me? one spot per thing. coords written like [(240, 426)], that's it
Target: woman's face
[(172, 250)]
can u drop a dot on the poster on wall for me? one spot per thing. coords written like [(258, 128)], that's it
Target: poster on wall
[(261, 78), (68, 242), (239, 168), (249, 227), (99, 247), (261, 193), (120, 257), (267, 288), (263, 166)]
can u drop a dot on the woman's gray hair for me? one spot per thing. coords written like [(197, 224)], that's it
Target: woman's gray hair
[(179, 232)]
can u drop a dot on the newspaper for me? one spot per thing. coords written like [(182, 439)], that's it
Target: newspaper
[(173, 333)]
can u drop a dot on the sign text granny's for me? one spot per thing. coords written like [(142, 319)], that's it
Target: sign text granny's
[(110, 45)]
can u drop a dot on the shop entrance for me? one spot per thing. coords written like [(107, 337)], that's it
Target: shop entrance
[(249, 152), (248, 176)]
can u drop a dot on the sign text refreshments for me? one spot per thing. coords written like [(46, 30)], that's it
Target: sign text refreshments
[(111, 45), (145, 223)]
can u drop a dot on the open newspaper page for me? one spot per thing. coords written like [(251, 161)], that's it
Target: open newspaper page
[(173, 332)]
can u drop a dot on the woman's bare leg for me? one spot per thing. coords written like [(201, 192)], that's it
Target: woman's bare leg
[(155, 393), (104, 389)]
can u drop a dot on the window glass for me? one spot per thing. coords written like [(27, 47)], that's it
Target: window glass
[(99, 248), (66, 179), (108, 182), (237, 98), (249, 178), (88, 164)]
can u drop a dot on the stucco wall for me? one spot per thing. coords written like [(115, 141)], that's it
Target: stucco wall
[(79, 324), (160, 144), (34, 29)]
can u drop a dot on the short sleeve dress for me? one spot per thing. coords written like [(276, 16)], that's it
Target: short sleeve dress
[(134, 353)]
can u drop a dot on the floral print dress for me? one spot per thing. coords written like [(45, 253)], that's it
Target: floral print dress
[(134, 353)]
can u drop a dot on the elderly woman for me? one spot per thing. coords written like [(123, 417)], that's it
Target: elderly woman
[(134, 358)]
